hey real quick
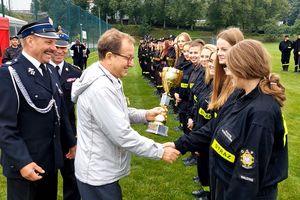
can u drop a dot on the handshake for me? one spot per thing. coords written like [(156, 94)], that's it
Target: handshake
[(170, 153)]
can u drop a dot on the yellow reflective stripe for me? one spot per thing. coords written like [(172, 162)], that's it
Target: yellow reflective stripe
[(184, 85), (222, 152), (215, 115), (191, 85), (285, 130), (204, 114), (195, 98)]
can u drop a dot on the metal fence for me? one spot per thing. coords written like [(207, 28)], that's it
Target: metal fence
[(76, 22)]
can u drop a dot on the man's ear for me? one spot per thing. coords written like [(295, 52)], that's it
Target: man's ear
[(108, 55)]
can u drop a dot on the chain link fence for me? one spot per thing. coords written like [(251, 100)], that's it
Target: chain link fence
[(76, 22)]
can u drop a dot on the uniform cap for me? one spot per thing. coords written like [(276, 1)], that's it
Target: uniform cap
[(42, 28), (63, 40), (13, 37)]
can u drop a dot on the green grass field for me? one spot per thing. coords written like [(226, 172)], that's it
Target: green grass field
[(150, 179)]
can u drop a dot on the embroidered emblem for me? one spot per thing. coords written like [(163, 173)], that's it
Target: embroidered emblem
[(31, 71), (247, 159)]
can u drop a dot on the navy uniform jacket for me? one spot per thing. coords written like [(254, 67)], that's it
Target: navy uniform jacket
[(248, 147), (11, 53), (25, 134), (68, 75)]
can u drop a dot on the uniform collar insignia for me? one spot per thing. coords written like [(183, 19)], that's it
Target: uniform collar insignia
[(31, 71), (67, 69)]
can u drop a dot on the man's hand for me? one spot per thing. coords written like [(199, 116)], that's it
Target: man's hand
[(32, 172), (152, 113), (72, 152), (170, 154), (169, 144)]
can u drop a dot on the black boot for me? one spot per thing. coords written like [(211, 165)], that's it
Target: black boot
[(296, 69)]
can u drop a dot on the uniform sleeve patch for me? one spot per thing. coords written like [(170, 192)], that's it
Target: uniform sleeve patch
[(247, 159)]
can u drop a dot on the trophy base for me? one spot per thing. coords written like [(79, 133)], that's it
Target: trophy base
[(158, 129)]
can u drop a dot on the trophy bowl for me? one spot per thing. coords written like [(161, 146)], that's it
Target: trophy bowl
[(171, 77)]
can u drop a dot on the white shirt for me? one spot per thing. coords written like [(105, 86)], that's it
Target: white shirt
[(60, 65), (34, 61)]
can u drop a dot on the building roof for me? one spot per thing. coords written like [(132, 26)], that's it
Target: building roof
[(15, 21)]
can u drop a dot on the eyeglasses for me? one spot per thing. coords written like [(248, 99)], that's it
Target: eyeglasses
[(128, 58)]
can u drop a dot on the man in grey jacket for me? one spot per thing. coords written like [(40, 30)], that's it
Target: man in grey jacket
[(105, 137)]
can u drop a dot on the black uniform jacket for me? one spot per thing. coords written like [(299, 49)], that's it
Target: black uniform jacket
[(25, 134), (201, 114), (68, 75), (183, 89), (248, 147), (286, 46)]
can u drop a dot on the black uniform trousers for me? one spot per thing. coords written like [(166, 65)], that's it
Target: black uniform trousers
[(110, 191), (45, 189)]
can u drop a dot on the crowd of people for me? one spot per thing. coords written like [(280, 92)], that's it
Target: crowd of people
[(229, 108), (228, 104)]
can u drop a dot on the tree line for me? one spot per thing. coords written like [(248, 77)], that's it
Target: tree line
[(251, 15)]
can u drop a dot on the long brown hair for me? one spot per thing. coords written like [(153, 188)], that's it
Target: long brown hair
[(222, 85), (248, 59), (187, 38)]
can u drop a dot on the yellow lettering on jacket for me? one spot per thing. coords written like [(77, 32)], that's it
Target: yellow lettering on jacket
[(222, 152), (204, 114), (184, 85)]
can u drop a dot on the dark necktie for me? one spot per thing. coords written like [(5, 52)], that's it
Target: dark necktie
[(46, 75), (57, 69)]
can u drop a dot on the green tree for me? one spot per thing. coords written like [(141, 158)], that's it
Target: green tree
[(294, 12), (132, 8), (82, 4), (104, 7), (219, 14)]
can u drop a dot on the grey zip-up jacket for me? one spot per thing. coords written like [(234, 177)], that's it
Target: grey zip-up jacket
[(105, 137)]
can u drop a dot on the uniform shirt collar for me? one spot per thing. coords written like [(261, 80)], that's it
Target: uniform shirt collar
[(34, 61), (60, 65)]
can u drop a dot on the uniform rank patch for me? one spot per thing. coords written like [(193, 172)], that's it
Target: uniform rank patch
[(247, 159)]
